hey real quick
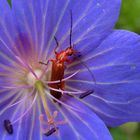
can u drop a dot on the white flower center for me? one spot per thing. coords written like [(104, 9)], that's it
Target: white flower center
[(31, 79)]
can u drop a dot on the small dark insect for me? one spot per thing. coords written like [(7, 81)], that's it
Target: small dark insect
[(83, 95), (51, 131), (8, 126)]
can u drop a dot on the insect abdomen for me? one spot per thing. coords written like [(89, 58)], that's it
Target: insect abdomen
[(57, 74)]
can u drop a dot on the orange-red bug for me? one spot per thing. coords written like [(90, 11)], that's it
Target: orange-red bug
[(58, 66)]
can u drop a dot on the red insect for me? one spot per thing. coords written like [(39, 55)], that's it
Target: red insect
[(58, 66)]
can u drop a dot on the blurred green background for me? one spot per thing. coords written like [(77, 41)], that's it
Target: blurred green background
[(130, 16), (130, 20)]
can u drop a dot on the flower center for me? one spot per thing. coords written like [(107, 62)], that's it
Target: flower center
[(31, 78)]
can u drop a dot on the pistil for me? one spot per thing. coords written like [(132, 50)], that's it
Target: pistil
[(40, 89)]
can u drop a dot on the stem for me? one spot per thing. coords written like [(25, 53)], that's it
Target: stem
[(40, 88)]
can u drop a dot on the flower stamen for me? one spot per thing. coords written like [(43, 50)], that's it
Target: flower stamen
[(8, 126), (83, 93), (40, 88), (86, 94), (58, 81), (51, 124), (23, 99), (27, 66), (25, 111), (51, 131), (65, 91), (16, 87), (66, 105)]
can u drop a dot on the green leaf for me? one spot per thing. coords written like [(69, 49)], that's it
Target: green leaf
[(10, 3)]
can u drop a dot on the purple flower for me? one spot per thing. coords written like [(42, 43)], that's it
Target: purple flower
[(97, 82)]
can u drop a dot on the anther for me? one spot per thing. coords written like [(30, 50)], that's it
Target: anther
[(51, 131), (8, 126), (83, 95), (51, 124)]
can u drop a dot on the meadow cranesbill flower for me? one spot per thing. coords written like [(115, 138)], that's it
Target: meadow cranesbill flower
[(100, 82)]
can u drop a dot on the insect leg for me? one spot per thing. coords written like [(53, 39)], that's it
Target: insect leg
[(44, 63), (57, 44)]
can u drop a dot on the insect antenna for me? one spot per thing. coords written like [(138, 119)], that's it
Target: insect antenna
[(92, 75), (71, 24), (77, 57)]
